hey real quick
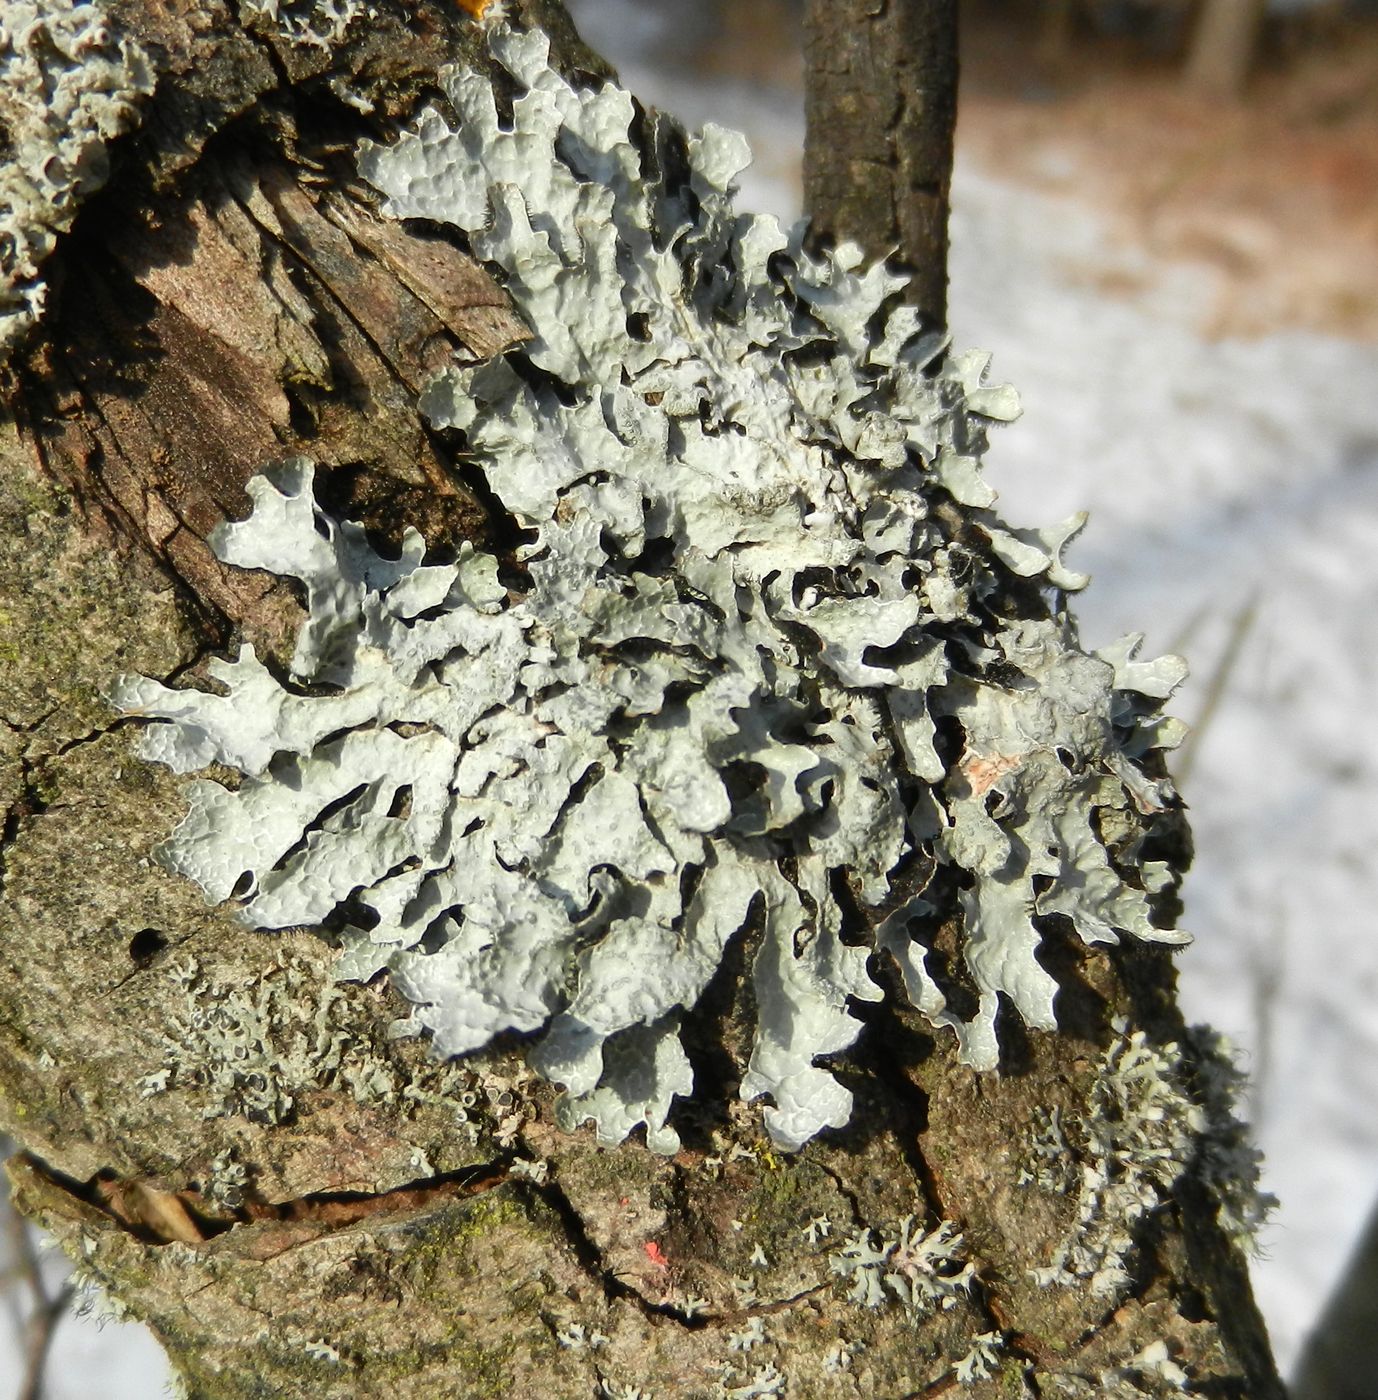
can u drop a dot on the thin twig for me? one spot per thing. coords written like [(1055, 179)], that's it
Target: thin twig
[(39, 1338), (1240, 627), (40, 1325)]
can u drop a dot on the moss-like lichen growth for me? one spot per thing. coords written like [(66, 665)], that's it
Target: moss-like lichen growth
[(255, 1050)]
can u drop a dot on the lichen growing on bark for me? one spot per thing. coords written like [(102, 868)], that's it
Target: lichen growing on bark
[(1153, 1118), (764, 657), (317, 23), (68, 85)]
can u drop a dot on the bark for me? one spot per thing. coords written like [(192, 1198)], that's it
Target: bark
[(300, 1214), (880, 103), (1223, 47)]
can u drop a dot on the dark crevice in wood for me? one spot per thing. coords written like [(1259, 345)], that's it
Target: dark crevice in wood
[(716, 1032), (29, 803), (591, 1259), (296, 320), (893, 1048)]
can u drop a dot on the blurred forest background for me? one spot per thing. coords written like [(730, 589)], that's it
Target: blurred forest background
[(1165, 227)]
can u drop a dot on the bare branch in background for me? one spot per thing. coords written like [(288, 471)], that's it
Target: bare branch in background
[(46, 1307), (1224, 46), (880, 101)]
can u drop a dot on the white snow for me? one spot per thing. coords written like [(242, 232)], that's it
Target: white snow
[(1233, 490), (90, 1353)]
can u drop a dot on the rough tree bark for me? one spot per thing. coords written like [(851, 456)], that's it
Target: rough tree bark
[(297, 1215), (880, 102)]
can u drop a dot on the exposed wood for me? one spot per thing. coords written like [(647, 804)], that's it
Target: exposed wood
[(257, 317)]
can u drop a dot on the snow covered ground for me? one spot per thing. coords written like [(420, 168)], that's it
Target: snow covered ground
[(1233, 487)]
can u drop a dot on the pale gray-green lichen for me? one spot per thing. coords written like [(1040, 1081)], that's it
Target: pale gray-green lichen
[(318, 24), (254, 1051), (1151, 1375), (1154, 1117), (704, 705), (68, 85), (981, 1360), (924, 1270), (1141, 1134)]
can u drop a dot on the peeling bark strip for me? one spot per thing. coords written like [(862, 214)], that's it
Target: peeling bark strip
[(235, 1148), (880, 103)]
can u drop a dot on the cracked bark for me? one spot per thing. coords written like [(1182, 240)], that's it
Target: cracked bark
[(308, 1216)]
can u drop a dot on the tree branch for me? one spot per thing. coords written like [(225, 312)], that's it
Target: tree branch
[(880, 104)]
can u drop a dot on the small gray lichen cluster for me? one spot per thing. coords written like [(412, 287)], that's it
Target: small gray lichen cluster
[(1154, 1116), (316, 23), (703, 704), (981, 1360), (68, 85), (925, 1270), (1151, 1375), (253, 1051), (903, 1265), (1142, 1133)]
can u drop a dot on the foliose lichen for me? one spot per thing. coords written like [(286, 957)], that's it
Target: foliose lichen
[(924, 1270), (318, 24), (1154, 1116), (759, 574), (766, 1380), (68, 85), (981, 1359), (1151, 1375)]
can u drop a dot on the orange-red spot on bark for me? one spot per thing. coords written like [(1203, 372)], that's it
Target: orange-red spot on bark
[(656, 1255), (474, 7)]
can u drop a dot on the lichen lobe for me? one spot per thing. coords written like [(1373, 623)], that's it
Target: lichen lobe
[(548, 802), (69, 83)]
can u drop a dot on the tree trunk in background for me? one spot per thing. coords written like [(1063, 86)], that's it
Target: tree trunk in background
[(1055, 31), (1341, 1357), (231, 1143), (880, 105), (1223, 47)]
